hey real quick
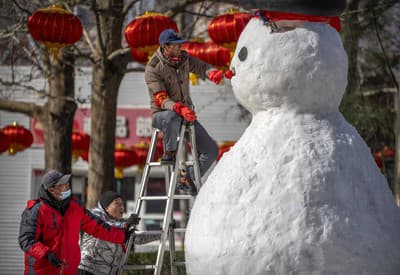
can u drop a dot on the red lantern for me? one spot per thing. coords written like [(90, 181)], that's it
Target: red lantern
[(193, 48), (378, 159), (139, 56), (215, 55), (80, 144), (225, 29), (142, 33), (19, 138), (55, 27), (4, 143), (224, 147), (209, 52), (388, 152), (123, 158), (141, 150)]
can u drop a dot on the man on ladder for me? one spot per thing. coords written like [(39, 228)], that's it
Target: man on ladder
[(167, 79)]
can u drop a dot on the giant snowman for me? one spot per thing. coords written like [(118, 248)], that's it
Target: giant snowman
[(299, 193)]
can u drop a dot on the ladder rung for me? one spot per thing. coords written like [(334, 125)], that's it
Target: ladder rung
[(179, 263), (179, 230), (149, 232), (159, 198), (153, 164), (139, 267), (188, 163)]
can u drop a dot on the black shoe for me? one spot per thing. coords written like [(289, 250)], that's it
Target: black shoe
[(168, 158)]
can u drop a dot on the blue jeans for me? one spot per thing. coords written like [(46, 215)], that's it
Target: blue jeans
[(170, 122)]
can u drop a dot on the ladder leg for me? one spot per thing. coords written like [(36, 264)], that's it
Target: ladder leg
[(139, 202), (172, 252), (168, 207), (196, 165)]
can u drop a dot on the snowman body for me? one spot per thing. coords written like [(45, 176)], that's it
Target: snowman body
[(299, 193)]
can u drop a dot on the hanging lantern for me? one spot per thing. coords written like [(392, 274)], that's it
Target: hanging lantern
[(4, 143), (139, 56), (224, 147), (80, 144), (19, 138), (215, 55), (123, 158), (141, 149), (85, 156), (225, 29), (378, 159), (142, 33), (55, 27), (193, 47)]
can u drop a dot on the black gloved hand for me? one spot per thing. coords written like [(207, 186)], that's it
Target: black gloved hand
[(132, 220), (54, 260)]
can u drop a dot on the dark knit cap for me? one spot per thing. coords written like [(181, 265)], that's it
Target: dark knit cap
[(107, 198)]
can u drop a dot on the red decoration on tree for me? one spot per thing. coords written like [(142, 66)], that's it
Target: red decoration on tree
[(4, 143), (55, 27), (224, 147), (80, 144), (142, 33), (19, 138), (225, 29), (123, 158)]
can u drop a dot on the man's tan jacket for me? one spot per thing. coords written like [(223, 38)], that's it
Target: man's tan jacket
[(161, 74)]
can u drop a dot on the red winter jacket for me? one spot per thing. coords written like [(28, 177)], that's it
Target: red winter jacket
[(44, 228)]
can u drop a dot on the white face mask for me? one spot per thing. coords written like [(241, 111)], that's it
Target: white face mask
[(66, 194)]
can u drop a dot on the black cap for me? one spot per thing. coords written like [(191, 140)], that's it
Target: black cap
[(54, 177), (169, 36), (307, 7), (107, 198)]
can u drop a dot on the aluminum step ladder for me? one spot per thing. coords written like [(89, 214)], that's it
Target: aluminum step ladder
[(172, 171)]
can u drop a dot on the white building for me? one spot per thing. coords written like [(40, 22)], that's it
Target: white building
[(20, 175)]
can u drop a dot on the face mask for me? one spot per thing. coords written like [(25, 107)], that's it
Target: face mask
[(66, 194)]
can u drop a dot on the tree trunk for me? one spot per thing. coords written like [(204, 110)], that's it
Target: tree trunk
[(59, 113), (107, 76)]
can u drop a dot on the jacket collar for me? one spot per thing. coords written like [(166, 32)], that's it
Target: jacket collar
[(60, 206), (164, 59)]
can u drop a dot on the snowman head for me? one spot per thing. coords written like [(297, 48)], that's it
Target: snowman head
[(300, 66)]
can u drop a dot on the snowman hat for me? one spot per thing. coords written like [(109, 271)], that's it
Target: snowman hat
[(272, 17), (307, 7), (301, 10)]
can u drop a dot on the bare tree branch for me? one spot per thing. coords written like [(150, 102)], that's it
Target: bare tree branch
[(128, 7), (28, 12), (29, 109)]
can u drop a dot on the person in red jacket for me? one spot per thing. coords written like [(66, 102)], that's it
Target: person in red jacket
[(50, 228)]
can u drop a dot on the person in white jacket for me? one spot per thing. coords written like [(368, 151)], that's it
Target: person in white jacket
[(100, 257)]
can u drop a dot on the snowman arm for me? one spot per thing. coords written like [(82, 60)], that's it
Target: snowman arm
[(199, 67)]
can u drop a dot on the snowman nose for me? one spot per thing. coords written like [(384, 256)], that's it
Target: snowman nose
[(230, 73)]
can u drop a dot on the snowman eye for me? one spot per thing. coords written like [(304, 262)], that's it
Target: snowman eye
[(242, 54)]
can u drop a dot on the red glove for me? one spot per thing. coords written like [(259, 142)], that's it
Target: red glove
[(184, 111), (216, 76)]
